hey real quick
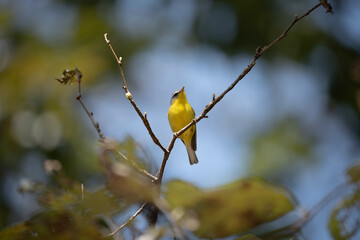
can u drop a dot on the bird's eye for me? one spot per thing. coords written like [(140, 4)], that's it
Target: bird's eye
[(175, 94)]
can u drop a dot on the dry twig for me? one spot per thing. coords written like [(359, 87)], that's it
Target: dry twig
[(129, 220), (90, 114), (102, 137), (129, 96)]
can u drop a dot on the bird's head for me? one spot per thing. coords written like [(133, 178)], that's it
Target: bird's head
[(178, 95)]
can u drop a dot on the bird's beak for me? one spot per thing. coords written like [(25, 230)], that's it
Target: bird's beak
[(182, 89)]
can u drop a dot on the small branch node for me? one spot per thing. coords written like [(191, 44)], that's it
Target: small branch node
[(130, 98), (145, 115), (106, 39), (258, 51), (128, 95), (213, 96), (327, 6), (128, 221)]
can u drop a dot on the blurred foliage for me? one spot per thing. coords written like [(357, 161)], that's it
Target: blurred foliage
[(72, 212), (354, 173), (230, 209), (38, 120), (122, 175), (248, 237), (282, 148), (344, 222)]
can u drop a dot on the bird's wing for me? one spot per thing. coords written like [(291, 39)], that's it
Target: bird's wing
[(193, 141)]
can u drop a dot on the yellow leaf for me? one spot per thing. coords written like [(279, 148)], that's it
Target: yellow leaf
[(232, 208)]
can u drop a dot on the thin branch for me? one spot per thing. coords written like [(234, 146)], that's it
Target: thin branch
[(284, 34), (259, 52), (135, 165), (173, 224), (129, 96), (336, 192), (297, 226), (129, 220), (95, 124), (160, 173), (101, 135)]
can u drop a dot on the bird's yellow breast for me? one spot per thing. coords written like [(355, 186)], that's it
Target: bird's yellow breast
[(181, 114)]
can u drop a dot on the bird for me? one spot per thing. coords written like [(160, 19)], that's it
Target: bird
[(180, 114)]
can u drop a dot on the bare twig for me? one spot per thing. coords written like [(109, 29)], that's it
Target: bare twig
[(135, 165), (102, 137), (297, 225), (95, 124), (129, 96), (284, 34), (259, 52), (129, 220), (175, 228), (336, 192)]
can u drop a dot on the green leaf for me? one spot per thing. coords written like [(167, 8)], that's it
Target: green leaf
[(248, 237), (62, 225), (18, 231), (354, 173), (344, 222), (232, 208), (55, 225), (101, 202), (176, 190), (279, 149)]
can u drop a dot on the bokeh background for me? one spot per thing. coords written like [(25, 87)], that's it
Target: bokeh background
[(293, 120)]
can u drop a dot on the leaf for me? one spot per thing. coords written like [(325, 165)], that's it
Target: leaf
[(101, 202), (344, 222), (69, 76), (55, 225), (176, 190), (354, 173), (276, 151), (62, 225), (232, 208), (67, 194), (248, 237), (18, 231)]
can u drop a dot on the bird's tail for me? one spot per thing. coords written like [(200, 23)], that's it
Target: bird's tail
[(191, 153)]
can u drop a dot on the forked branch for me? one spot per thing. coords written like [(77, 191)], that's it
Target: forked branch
[(102, 137), (259, 52), (129, 96)]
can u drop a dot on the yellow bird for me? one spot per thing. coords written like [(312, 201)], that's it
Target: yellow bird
[(181, 114)]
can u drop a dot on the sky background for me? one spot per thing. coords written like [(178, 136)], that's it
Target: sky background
[(292, 120)]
